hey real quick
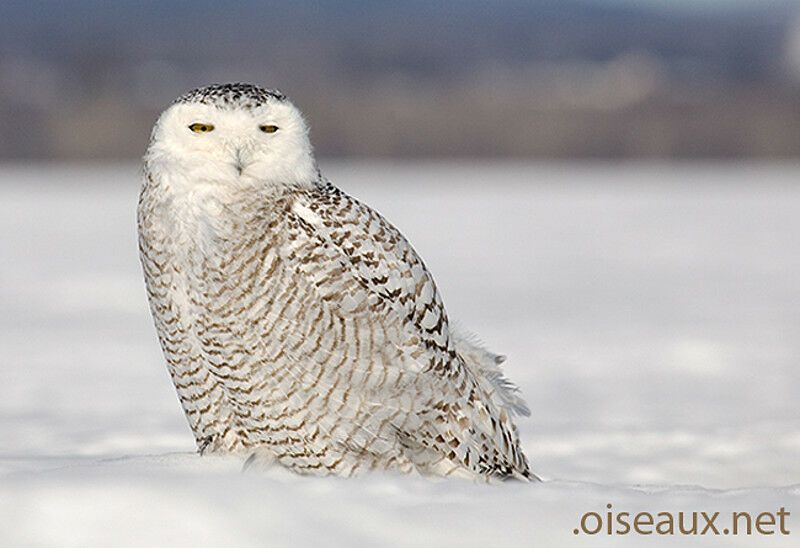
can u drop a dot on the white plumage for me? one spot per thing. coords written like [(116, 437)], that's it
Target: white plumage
[(298, 325)]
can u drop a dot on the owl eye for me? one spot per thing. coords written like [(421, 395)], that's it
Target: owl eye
[(200, 127), (267, 128)]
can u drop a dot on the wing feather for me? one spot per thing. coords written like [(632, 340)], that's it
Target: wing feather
[(445, 413)]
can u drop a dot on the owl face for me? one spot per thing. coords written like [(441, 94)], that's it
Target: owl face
[(233, 142)]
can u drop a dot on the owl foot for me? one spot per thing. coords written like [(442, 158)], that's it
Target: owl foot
[(203, 443)]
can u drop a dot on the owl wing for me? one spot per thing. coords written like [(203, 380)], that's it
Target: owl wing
[(441, 414)]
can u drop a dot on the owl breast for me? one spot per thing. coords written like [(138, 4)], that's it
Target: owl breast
[(183, 240)]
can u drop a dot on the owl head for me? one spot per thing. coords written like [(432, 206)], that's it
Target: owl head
[(232, 133)]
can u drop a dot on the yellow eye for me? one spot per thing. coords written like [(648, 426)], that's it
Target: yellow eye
[(200, 127), (267, 128)]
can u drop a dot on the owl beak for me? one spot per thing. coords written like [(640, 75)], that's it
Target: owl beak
[(238, 162)]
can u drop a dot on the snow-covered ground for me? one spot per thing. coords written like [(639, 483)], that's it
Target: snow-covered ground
[(650, 313)]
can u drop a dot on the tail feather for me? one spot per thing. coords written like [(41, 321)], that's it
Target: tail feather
[(485, 367)]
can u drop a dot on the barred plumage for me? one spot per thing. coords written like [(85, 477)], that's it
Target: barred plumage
[(298, 325)]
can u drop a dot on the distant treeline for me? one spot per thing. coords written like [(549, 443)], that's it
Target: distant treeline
[(553, 78)]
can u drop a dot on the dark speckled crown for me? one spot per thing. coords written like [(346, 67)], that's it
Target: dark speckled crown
[(236, 95)]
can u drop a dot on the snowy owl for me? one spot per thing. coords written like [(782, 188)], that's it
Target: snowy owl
[(300, 327)]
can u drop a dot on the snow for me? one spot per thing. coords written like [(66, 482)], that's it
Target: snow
[(648, 311)]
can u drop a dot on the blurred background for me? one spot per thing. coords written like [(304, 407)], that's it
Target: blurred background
[(85, 79)]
